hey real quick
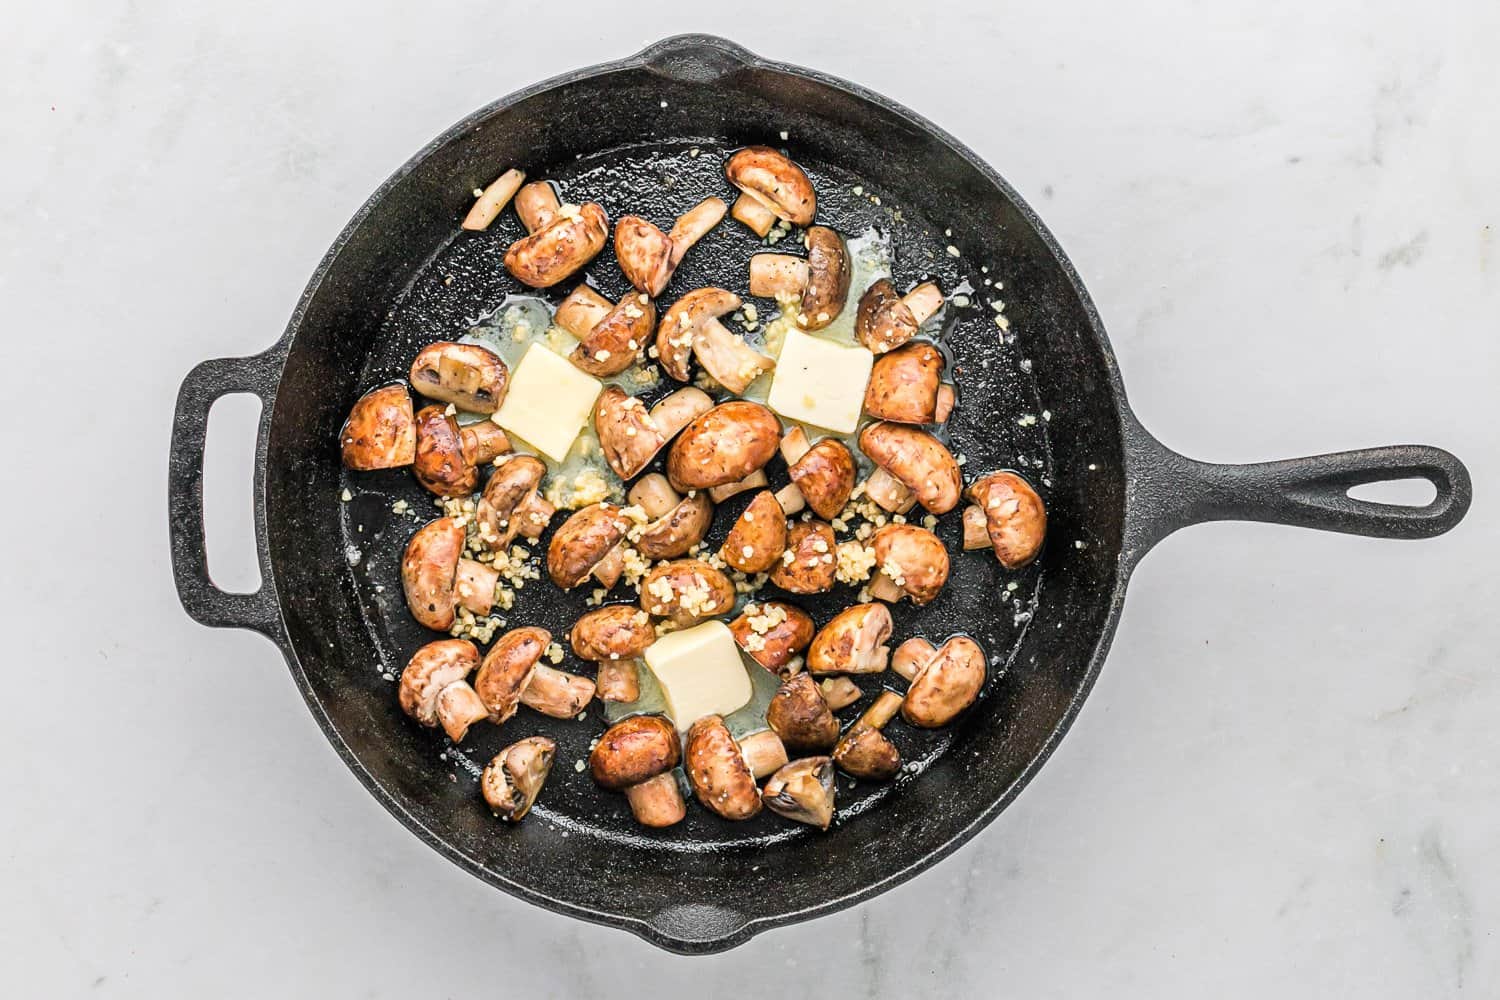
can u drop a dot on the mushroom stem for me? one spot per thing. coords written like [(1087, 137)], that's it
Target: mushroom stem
[(676, 410), (459, 707), (754, 481), (607, 570), (976, 528), (923, 301), (943, 408), (882, 710), (753, 214), (791, 499), (475, 585), (911, 656), (763, 752), (839, 692), (883, 588), (773, 274), (581, 311), (483, 441), (657, 802), (537, 205), (492, 201), (694, 224), (724, 354), (618, 680), (794, 445), (890, 493), (534, 513), (556, 692), (654, 495)]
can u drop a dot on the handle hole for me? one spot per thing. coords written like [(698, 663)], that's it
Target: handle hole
[(1414, 492), (229, 493)]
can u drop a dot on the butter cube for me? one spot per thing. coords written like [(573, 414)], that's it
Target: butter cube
[(820, 382), (700, 671), (548, 402)]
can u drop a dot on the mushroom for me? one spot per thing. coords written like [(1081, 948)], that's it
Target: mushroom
[(853, 642), (677, 522), (630, 435), (976, 528), (944, 681), (510, 504), (437, 578), (913, 465), (648, 256), (839, 692), (435, 688), (755, 481), (771, 187), (563, 237), (758, 538), (618, 680), (802, 791), (611, 338), (380, 432), (808, 564), (773, 633), (723, 773), (906, 386), (470, 377), (691, 326), (686, 591), (1015, 517), (637, 755), (587, 544), (799, 715), (864, 751), (511, 674), (448, 456), (822, 475), (613, 637), (909, 562), (819, 284), (886, 320), (723, 446), (493, 199), (513, 779)]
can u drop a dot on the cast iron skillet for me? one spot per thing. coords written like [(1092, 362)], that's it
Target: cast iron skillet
[(402, 275)]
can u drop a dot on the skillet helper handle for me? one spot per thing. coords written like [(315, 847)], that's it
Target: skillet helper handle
[(202, 600)]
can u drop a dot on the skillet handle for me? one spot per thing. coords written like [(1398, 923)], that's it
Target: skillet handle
[(202, 600), (1168, 491)]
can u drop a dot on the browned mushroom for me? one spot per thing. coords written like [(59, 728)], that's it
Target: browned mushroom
[(437, 578), (839, 692), (723, 773), (773, 633), (864, 751), (771, 187), (722, 446), (618, 680), (976, 530), (493, 199), (677, 523), (944, 681), (802, 791), (909, 562), (587, 544), (380, 432), (511, 504), (1015, 517), (448, 456), (470, 377), (435, 688), (567, 238), (808, 564), (630, 435), (637, 755), (906, 386), (758, 538), (514, 778), (819, 284), (822, 475), (648, 256), (913, 464), (613, 632), (691, 326), (799, 714), (886, 320), (610, 337), (686, 591), (853, 642), (511, 674), (537, 205)]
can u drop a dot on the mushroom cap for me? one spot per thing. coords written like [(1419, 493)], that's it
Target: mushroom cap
[(513, 779), (825, 475), (380, 432), (686, 590), (582, 541), (780, 632), (883, 322), (613, 632), (717, 770), (904, 385), (507, 669), (813, 562), (920, 556), (628, 434), (513, 482), (853, 642), (617, 340), (801, 717), (803, 791), (827, 279), (567, 243), (775, 181), (429, 568), (679, 326), (946, 684), (469, 376), (867, 753), (681, 528), (758, 538), (1014, 516), (723, 446), (634, 750), (430, 669), (441, 465), (644, 253), (920, 461)]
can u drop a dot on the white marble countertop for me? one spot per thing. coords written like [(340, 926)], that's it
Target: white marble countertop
[(1286, 782)]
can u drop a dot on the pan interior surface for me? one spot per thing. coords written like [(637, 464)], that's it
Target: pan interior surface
[(639, 141)]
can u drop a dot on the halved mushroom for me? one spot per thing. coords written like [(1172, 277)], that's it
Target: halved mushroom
[(802, 791), (613, 632), (470, 377), (909, 562), (773, 633), (610, 339), (772, 187), (691, 326), (493, 199), (1015, 517), (822, 475), (808, 564), (630, 435), (437, 578), (864, 751), (686, 591), (511, 504), (448, 456), (801, 717), (584, 544), (723, 773), (722, 446), (677, 522), (758, 538), (853, 642), (564, 243), (648, 256), (906, 386), (514, 778), (511, 674), (819, 284), (435, 688), (380, 432), (839, 692), (886, 320), (637, 755), (944, 681), (913, 459)]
